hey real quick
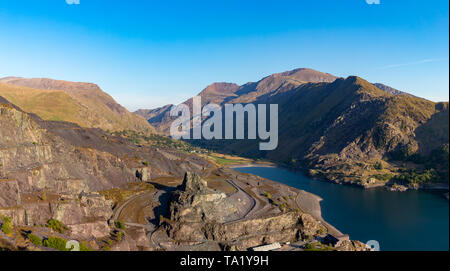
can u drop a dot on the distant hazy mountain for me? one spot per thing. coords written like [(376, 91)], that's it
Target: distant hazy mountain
[(81, 103)]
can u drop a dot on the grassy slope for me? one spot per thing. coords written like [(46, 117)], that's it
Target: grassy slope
[(87, 109), (48, 104)]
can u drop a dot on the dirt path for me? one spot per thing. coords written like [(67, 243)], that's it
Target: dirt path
[(250, 203)]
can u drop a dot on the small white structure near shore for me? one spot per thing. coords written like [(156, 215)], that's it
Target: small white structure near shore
[(270, 247)]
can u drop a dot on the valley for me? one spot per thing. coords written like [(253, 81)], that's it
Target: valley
[(345, 130), (61, 182), (75, 165)]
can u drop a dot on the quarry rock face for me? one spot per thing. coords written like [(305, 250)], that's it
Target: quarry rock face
[(194, 201), (53, 170), (89, 230), (9, 193), (197, 214)]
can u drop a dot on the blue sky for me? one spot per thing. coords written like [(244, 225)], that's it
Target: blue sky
[(148, 53)]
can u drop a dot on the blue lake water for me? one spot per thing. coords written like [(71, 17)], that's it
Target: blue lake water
[(411, 220)]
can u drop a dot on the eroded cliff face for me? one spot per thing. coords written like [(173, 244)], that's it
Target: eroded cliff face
[(241, 235), (54, 170), (198, 214), (194, 201)]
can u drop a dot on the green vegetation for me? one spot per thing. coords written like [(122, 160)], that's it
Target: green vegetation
[(384, 177), (414, 177), (119, 195), (59, 105), (321, 231), (274, 202), (117, 235), (84, 247), (56, 225), (153, 140), (56, 243), (378, 166), (223, 161), (34, 239), (317, 247), (436, 167), (43, 196), (120, 225), (48, 104), (267, 195), (7, 225)]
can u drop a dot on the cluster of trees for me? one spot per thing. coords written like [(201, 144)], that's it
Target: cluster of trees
[(436, 167), (412, 176)]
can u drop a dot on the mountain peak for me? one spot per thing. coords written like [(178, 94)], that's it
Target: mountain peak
[(307, 75), (220, 88)]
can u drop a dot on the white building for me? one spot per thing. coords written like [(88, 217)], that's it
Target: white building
[(270, 247)]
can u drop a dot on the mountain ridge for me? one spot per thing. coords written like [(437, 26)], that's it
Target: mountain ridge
[(341, 128), (83, 103), (248, 92)]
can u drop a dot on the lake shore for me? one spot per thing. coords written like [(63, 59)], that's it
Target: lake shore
[(255, 164), (310, 203), (306, 201), (369, 214)]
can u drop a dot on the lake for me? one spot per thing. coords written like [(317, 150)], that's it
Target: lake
[(411, 220)]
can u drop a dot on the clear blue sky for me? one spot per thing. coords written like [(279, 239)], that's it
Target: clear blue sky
[(149, 53)]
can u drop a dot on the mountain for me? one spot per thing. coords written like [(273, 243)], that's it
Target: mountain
[(61, 182), (388, 89), (59, 170), (220, 93), (82, 103), (351, 131), (345, 129)]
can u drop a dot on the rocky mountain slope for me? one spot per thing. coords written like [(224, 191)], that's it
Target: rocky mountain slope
[(60, 182), (82, 103), (54, 170), (208, 218), (220, 93), (345, 130), (351, 131)]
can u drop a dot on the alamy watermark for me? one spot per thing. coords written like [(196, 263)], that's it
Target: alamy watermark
[(373, 245), (210, 126), (73, 245), (371, 2), (72, 2)]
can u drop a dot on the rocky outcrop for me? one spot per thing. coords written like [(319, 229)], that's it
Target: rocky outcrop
[(286, 226), (397, 188), (350, 245), (133, 240), (9, 193), (193, 201), (197, 214), (89, 230)]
